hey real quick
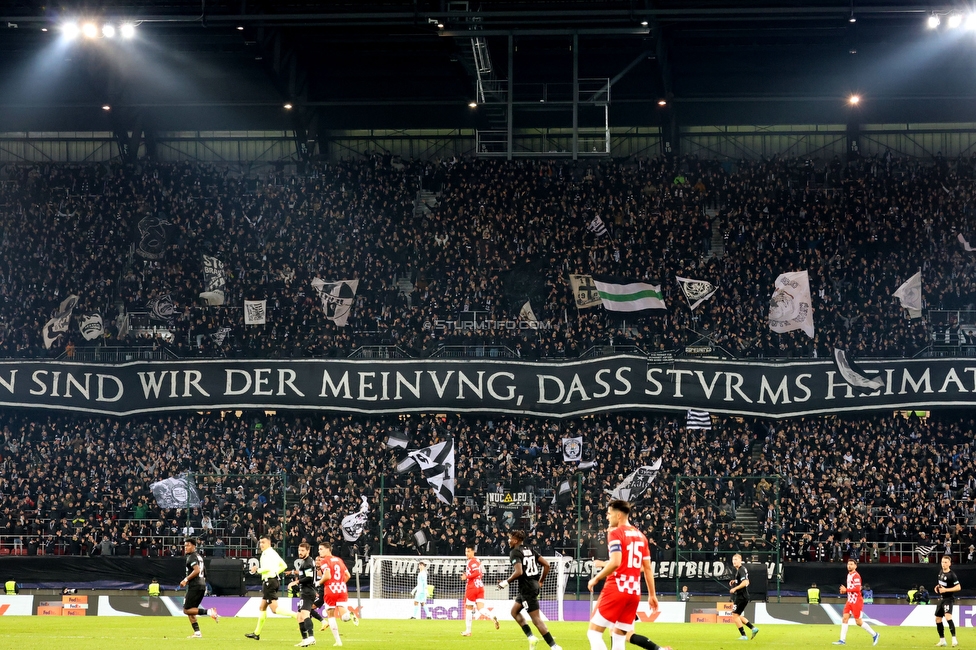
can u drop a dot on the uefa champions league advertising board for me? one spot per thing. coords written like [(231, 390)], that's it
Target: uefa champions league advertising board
[(545, 389)]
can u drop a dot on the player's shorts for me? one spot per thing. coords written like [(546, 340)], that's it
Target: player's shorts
[(269, 589), (944, 608), (616, 609), (194, 596), (854, 609), (739, 606), (307, 602), (319, 598), (528, 595), (340, 599), (473, 595)]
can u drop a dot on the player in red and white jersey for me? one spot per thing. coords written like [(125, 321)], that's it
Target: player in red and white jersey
[(333, 576), (617, 606), (474, 591), (855, 602)]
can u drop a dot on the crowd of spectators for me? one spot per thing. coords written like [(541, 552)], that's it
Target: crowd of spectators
[(76, 485), (501, 232)]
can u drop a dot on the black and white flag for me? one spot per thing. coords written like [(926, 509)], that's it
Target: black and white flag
[(220, 335), (572, 449), (59, 322), (354, 524), (852, 374), (526, 315), (162, 308), (698, 420), (636, 483), (910, 295), (584, 291), (175, 492), (337, 298), (255, 312), (153, 236), (790, 307), (597, 227), (436, 463), (214, 281), (965, 243), (122, 323), (696, 291), (397, 439), (90, 325)]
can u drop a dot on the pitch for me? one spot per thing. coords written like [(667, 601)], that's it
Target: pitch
[(158, 633)]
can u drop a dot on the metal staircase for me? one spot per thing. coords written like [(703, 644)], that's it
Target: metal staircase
[(490, 90)]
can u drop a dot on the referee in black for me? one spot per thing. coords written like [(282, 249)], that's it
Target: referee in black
[(196, 586)]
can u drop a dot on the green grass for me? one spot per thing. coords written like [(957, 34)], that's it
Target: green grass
[(161, 633)]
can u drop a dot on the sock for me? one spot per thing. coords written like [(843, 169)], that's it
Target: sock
[(643, 642), (548, 637), (742, 632), (303, 630), (952, 627), (416, 610), (196, 626), (941, 628), (315, 614), (335, 628), (262, 617), (310, 628), (596, 640), (486, 614), (618, 641), (867, 628), (467, 619), (750, 625), (843, 631), (526, 630)]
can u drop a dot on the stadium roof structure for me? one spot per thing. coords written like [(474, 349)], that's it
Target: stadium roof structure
[(413, 64)]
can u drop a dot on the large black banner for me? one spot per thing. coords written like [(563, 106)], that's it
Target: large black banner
[(769, 389)]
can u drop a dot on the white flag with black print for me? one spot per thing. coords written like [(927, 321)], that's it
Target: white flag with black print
[(597, 227), (636, 483), (255, 312), (526, 315), (397, 439), (162, 308), (573, 449), (698, 420), (337, 298), (584, 291), (59, 322), (790, 307), (220, 335), (214, 281), (696, 291), (90, 325), (852, 374), (354, 524), (175, 492), (123, 323), (436, 463), (910, 295)]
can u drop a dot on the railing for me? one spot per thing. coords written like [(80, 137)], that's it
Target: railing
[(379, 352), (165, 545), (118, 354), (474, 351)]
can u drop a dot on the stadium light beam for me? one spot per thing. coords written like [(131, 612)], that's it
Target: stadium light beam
[(934, 21), (108, 31), (70, 31), (854, 100), (971, 21), (955, 20), (89, 30), (128, 30)]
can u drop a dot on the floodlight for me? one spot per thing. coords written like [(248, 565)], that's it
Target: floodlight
[(70, 30), (106, 107), (90, 30), (955, 20), (108, 31), (934, 21), (643, 23), (472, 104), (128, 30), (854, 100), (662, 102), (240, 28), (971, 21), (288, 107)]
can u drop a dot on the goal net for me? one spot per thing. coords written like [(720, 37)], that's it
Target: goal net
[(394, 577)]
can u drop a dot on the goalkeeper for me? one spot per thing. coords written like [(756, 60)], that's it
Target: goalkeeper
[(270, 566), (420, 593)]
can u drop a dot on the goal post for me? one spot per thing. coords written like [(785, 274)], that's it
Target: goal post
[(393, 577)]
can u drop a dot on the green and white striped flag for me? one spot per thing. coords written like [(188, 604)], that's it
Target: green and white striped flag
[(629, 297)]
